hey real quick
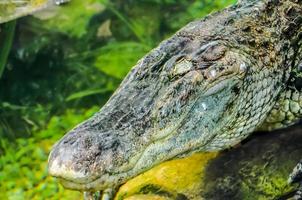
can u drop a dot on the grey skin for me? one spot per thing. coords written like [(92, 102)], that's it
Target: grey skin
[(206, 88)]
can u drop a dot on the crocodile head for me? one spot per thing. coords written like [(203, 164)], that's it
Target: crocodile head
[(185, 96), (198, 91)]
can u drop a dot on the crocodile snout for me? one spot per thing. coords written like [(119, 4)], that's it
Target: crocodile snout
[(63, 166), (80, 157)]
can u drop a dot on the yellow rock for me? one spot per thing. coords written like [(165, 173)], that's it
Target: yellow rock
[(182, 176)]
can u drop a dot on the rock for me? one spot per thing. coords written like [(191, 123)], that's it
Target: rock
[(257, 169)]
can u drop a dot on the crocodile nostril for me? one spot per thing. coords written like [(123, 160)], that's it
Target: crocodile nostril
[(66, 163), (82, 156), (71, 159)]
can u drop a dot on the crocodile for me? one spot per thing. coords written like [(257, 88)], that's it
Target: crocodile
[(206, 88)]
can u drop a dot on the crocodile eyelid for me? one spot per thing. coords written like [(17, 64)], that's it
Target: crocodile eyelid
[(182, 67), (170, 64)]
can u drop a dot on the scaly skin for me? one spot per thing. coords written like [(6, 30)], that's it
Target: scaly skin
[(205, 89)]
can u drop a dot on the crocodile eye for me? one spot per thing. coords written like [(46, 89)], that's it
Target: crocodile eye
[(182, 66)]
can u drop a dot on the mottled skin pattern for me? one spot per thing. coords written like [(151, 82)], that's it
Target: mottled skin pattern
[(206, 88)]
